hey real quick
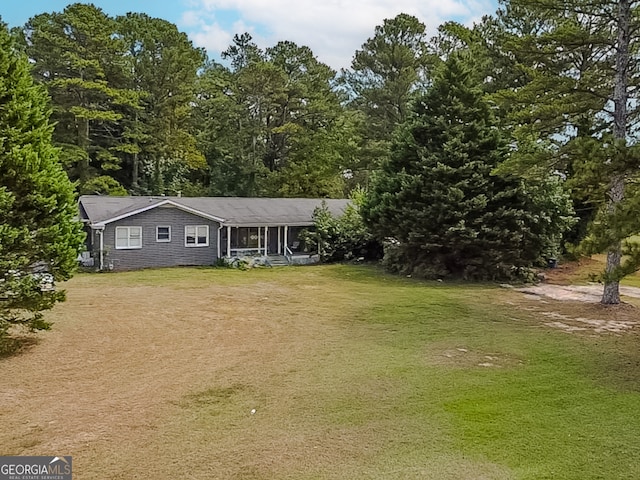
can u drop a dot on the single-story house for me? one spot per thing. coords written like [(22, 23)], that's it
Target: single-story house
[(125, 233)]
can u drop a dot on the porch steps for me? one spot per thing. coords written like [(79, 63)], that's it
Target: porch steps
[(277, 260)]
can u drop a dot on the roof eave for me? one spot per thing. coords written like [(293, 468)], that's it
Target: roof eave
[(193, 211), (268, 224)]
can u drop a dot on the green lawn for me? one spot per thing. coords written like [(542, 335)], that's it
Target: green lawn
[(355, 374)]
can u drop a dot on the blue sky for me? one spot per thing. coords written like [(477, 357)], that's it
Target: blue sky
[(333, 29)]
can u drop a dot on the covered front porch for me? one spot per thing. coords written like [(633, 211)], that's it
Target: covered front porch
[(238, 241)]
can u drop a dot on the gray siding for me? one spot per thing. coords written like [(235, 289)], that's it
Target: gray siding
[(160, 254)]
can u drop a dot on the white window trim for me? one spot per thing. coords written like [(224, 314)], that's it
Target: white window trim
[(194, 245), (128, 247), (163, 240)]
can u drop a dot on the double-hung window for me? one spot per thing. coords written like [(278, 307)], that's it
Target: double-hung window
[(163, 234), (196, 235), (128, 237)]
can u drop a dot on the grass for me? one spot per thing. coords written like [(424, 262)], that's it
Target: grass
[(351, 373), (588, 270)]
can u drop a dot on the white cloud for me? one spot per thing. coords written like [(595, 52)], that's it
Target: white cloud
[(333, 29), (190, 19)]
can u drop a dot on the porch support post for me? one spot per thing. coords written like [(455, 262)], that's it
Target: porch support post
[(279, 240), (286, 241), (228, 241), (266, 240)]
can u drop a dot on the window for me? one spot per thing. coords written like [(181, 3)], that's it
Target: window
[(163, 234), (196, 235), (248, 237), (128, 237)]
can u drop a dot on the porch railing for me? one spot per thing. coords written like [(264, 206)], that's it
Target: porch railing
[(288, 254)]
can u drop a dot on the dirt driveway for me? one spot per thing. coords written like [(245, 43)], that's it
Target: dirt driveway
[(580, 293), (577, 308)]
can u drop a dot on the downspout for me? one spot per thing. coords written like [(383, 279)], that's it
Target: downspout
[(219, 234)]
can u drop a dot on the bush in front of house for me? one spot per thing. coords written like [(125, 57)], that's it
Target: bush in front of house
[(342, 238)]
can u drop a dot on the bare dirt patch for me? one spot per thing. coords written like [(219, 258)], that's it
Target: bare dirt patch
[(465, 357), (580, 293), (577, 308), (576, 272)]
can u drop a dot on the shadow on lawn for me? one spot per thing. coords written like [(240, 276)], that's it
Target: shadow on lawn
[(17, 344)]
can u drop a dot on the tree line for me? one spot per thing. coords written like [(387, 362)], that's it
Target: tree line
[(475, 152)]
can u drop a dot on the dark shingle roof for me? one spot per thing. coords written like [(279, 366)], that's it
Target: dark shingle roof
[(233, 211)]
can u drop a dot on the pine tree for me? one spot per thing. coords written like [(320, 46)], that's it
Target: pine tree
[(164, 66), (581, 99), (273, 126), (38, 232), (77, 55), (438, 202), (386, 74)]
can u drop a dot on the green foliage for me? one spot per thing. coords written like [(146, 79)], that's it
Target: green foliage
[(341, 238), (387, 73), (273, 125), (38, 231), (246, 263), (612, 225), (103, 185), (80, 60), (436, 203), (578, 101), (122, 91), (164, 71)]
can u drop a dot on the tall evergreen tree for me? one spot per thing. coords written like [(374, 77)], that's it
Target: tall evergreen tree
[(440, 205), (386, 74), (272, 125), (38, 230), (77, 55), (581, 101), (161, 152)]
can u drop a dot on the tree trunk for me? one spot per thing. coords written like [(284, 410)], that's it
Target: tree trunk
[(611, 294), (134, 174), (83, 142), (134, 168)]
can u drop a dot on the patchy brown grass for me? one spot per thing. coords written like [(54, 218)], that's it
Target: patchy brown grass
[(576, 272), (203, 373), (125, 353), (155, 374)]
